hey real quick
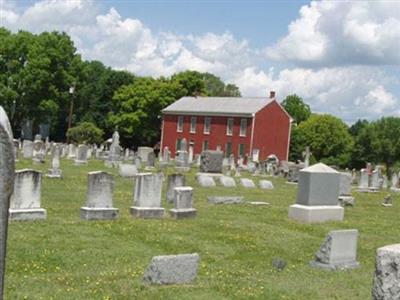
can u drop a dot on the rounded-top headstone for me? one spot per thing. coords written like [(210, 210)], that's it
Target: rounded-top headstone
[(319, 168)]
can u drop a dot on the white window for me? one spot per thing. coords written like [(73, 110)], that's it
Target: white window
[(229, 126), (179, 127), (207, 125), (193, 124), (243, 127)]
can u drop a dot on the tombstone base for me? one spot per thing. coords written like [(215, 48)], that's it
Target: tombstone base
[(80, 162), (183, 213), (316, 214), (335, 267), (91, 213), (346, 200), (147, 212), (182, 169), (30, 214)]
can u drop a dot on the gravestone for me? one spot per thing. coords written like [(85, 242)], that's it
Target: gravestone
[(227, 181), (55, 171), (127, 170), (172, 269), (225, 199), (25, 202), (375, 182), (27, 149), (99, 199), (364, 181), (317, 195), (387, 201), (183, 203), (38, 151), (151, 158), (81, 155), (71, 151), (143, 152), (211, 161), (16, 150), (345, 197), (386, 283), (266, 185), (7, 166), (247, 183), (114, 156), (166, 154), (190, 154), (206, 181), (338, 251), (137, 161), (395, 183), (147, 196), (173, 181)]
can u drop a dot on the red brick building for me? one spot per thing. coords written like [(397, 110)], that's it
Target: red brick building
[(242, 126)]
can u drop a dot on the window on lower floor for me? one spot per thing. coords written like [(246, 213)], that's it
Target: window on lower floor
[(178, 144), (241, 150), (228, 149), (205, 145)]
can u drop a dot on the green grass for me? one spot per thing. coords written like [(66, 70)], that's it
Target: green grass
[(67, 258)]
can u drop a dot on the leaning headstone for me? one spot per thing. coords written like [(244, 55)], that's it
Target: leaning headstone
[(225, 199), (183, 203), (206, 181), (227, 181), (211, 161), (386, 283), (147, 196), (345, 197), (127, 170), (266, 184), (173, 181), (81, 155), (25, 202), (247, 183), (6, 187), (317, 195), (27, 149), (172, 269), (338, 251), (99, 199), (55, 171)]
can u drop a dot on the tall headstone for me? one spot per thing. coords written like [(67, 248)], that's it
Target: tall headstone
[(38, 151), (81, 155), (166, 154), (211, 161), (25, 202), (183, 203), (386, 284), (395, 183), (190, 154), (375, 182), (173, 181), (151, 159), (71, 151), (6, 187), (338, 251), (114, 156), (99, 200), (364, 181), (55, 171), (142, 152), (307, 155), (16, 150), (137, 160), (147, 196), (345, 197), (317, 195), (27, 149)]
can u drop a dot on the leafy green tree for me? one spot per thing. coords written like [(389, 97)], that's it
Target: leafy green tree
[(231, 90), (138, 109), (328, 138), (85, 133), (362, 151), (296, 107), (191, 81)]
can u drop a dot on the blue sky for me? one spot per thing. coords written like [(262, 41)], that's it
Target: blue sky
[(341, 57)]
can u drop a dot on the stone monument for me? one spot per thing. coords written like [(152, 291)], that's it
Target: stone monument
[(183, 203)]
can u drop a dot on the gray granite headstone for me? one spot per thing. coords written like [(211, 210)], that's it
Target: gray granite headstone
[(127, 170), (81, 155), (227, 181), (143, 152), (364, 180), (151, 158), (211, 161), (172, 269), (338, 251), (206, 181), (147, 196), (266, 184), (25, 201), (345, 183), (173, 181), (27, 149), (247, 183), (6, 187), (55, 171), (183, 203), (386, 283), (225, 199), (99, 199)]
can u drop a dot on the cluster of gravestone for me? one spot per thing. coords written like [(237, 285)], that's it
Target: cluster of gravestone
[(372, 180)]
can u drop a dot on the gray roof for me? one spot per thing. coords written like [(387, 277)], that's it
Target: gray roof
[(232, 106)]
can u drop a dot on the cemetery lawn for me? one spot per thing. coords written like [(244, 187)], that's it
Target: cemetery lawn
[(67, 258)]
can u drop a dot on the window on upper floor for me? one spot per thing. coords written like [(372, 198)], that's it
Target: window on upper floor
[(243, 127), (193, 121), (229, 126), (179, 127), (207, 125)]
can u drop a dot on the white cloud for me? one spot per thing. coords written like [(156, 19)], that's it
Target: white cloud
[(342, 33)]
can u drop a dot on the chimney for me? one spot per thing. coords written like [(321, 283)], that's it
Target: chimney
[(272, 94)]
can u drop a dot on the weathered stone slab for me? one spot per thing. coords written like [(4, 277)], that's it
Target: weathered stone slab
[(345, 183), (225, 199), (172, 269), (346, 200), (259, 203), (247, 183), (173, 181), (206, 181), (227, 181), (211, 161), (143, 153), (386, 284), (183, 203), (316, 214), (81, 155), (266, 185), (127, 170), (338, 251)]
